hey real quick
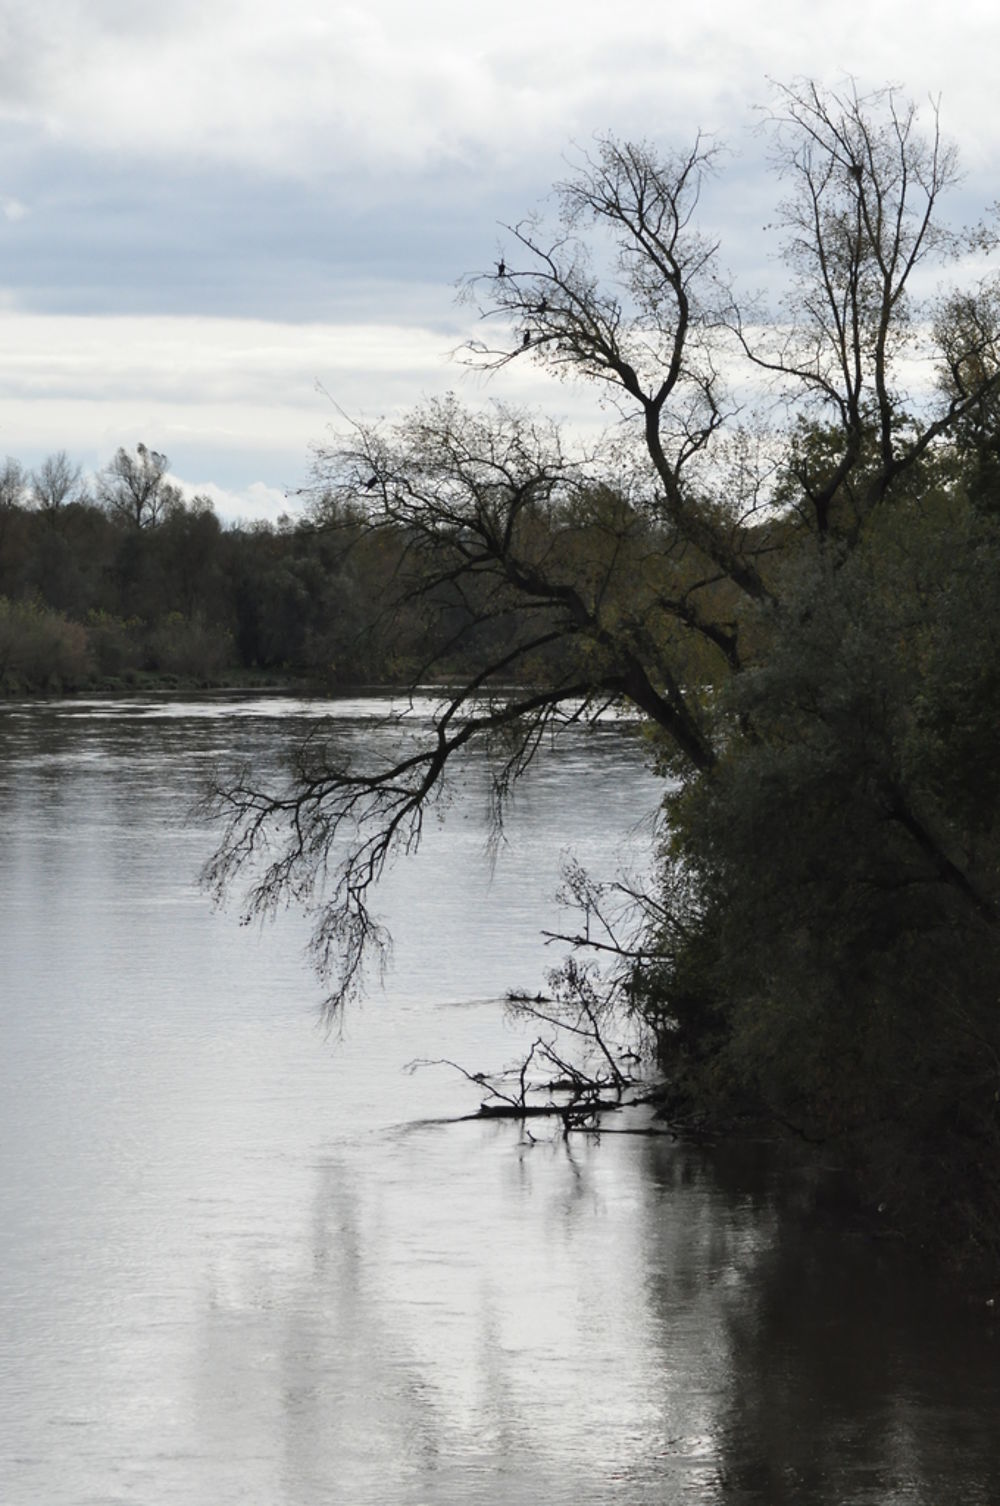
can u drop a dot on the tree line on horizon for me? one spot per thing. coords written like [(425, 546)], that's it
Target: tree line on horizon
[(124, 582)]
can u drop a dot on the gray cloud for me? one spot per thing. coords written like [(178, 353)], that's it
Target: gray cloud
[(96, 236), (337, 166)]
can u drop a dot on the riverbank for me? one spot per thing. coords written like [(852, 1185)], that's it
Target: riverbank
[(154, 682)]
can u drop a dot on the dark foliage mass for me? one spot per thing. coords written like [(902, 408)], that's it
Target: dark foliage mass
[(129, 584), (798, 606)]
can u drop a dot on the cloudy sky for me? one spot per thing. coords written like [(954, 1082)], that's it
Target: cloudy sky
[(220, 217)]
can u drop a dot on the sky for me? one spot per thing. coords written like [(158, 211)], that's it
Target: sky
[(222, 221)]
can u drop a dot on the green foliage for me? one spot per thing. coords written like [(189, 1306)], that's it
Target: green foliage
[(40, 649), (189, 599), (115, 644), (841, 949), (188, 647)]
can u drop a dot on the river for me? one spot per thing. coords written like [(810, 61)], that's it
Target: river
[(247, 1260)]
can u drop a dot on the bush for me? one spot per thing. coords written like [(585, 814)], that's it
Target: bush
[(40, 649), (189, 647), (115, 643)]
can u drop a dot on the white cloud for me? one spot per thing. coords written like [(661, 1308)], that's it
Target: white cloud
[(310, 86), (256, 503), (244, 392), (204, 360), (210, 101), (243, 400)]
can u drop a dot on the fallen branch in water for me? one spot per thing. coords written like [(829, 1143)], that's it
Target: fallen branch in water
[(571, 1111), (580, 1108)]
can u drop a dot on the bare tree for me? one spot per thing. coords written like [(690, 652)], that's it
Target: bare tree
[(861, 218), (646, 328), (56, 482), (648, 567), (134, 489), (13, 483)]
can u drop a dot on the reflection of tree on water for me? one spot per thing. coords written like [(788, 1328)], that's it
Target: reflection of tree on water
[(302, 1369), (616, 1325), (349, 1378), (843, 1372), (830, 1374)]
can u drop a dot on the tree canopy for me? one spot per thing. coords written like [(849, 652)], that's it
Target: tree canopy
[(796, 601)]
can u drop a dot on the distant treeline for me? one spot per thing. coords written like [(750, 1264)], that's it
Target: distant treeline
[(109, 584)]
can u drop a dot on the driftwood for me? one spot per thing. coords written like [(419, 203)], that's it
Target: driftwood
[(583, 1100), (575, 1110)]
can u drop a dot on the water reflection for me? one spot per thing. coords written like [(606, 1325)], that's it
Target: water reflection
[(841, 1370), (601, 1326), (237, 1266)]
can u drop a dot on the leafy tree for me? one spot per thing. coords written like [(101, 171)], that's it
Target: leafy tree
[(189, 543), (848, 991)]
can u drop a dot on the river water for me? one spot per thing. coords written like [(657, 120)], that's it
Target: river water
[(243, 1260)]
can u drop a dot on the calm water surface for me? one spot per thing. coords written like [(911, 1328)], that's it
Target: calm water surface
[(240, 1263)]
